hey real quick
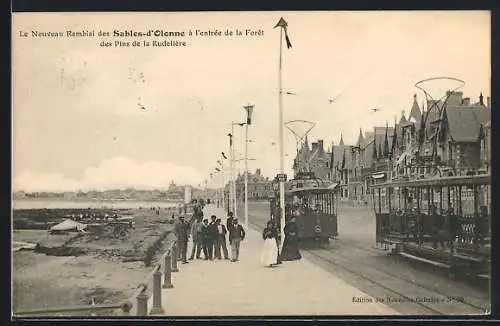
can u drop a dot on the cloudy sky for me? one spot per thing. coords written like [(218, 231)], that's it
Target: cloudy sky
[(77, 116)]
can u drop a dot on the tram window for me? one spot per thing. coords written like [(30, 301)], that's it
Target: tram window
[(467, 201)]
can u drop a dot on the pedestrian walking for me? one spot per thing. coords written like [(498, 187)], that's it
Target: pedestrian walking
[(182, 233), (220, 244), (236, 235), (290, 249), (205, 234), (196, 235), (269, 255)]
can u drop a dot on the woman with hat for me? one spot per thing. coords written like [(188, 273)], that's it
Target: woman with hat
[(290, 250)]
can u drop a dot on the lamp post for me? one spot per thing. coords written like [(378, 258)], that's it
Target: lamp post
[(212, 181), (224, 184), (216, 185), (232, 194), (232, 160), (221, 164), (249, 109)]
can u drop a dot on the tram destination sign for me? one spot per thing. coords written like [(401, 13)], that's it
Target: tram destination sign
[(281, 177)]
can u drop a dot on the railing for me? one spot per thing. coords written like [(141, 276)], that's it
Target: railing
[(141, 296)]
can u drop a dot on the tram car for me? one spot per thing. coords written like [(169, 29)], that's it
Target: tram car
[(313, 203), (444, 221)]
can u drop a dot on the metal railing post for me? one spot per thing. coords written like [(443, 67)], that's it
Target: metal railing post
[(157, 306), (167, 277), (174, 257), (126, 307), (142, 304)]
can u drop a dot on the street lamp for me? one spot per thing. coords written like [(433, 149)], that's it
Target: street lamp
[(249, 109), (232, 154), (222, 179), (212, 181), (224, 157)]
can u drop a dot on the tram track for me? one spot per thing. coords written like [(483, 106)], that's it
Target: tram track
[(404, 294), (432, 301)]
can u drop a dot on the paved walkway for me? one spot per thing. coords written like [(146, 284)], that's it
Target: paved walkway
[(245, 288)]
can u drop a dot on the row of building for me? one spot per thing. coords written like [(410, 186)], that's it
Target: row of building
[(449, 137)]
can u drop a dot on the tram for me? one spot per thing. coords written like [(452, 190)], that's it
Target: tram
[(444, 221), (313, 203)]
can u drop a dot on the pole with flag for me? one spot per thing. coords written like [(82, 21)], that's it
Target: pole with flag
[(249, 109), (283, 28)]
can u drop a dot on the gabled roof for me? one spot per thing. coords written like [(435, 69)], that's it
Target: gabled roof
[(464, 122), (361, 140), (403, 118), (338, 155), (415, 112)]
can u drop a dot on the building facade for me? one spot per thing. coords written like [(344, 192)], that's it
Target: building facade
[(455, 136), (259, 187), (314, 159)]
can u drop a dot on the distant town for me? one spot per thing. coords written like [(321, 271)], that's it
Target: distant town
[(174, 193)]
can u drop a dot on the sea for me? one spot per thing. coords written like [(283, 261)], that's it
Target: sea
[(118, 204)]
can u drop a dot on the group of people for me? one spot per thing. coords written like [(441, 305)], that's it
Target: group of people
[(209, 238), (290, 250)]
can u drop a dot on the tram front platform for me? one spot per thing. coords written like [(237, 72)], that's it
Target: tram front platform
[(205, 288)]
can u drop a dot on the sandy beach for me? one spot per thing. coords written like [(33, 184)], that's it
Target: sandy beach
[(109, 271)]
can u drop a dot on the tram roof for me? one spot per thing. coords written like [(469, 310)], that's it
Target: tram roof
[(468, 180), (318, 186), (312, 189)]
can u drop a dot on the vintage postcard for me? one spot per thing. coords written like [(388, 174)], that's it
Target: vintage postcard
[(251, 163)]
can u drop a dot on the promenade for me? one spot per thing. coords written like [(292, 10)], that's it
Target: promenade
[(246, 288)]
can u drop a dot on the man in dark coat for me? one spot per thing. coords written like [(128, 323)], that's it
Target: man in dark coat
[(182, 233), (229, 221), (205, 234), (236, 235), (212, 236), (220, 244), (197, 238)]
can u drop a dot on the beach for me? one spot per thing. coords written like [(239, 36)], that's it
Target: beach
[(102, 268)]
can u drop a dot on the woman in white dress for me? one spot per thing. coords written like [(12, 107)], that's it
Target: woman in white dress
[(269, 255)]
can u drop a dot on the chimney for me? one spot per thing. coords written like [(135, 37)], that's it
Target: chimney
[(320, 145), (488, 102), (481, 102), (314, 146), (466, 101), (454, 98), (257, 172)]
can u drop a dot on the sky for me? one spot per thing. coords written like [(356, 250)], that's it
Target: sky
[(91, 117)]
